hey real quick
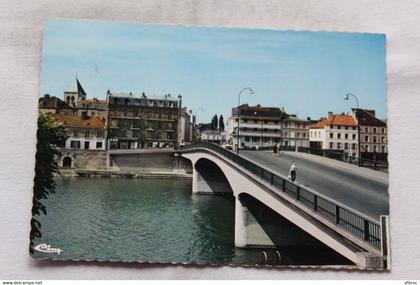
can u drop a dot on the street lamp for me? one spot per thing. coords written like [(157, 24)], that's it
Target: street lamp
[(358, 126), (239, 114)]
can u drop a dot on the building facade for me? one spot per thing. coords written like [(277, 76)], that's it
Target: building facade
[(53, 105), (295, 131), (373, 134), (83, 134), (258, 127), (142, 121), (336, 132), (213, 136), (90, 108), (186, 128)]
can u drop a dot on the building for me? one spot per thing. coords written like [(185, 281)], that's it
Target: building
[(336, 132), (186, 128), (53, 105), (83, 134), (295, 131), (213, 136), (373, 134), (90, 108), (142, 121), (259, 126), (75, 94)]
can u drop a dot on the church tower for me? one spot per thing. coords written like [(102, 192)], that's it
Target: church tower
[(74, 94)]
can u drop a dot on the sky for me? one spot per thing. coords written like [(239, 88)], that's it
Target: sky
[(306, 73)]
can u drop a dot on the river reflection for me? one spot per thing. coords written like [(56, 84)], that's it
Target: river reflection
[(154, 220)]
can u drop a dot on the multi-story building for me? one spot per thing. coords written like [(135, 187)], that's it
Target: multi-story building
[(373, 134), (142, 121), (259, 126), (185, 131), (295, 131), (336, 132), (213, 136), (83, 134)]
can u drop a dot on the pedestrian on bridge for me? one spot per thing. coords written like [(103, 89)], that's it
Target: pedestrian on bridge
[(292, 172), (275, 150)]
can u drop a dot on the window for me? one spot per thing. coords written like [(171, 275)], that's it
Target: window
[(245, 121), (346, 146), (331, 135), (383, 148), (87, 134), (338, 145), (383, 130), (366, 138), (75, 144), (338, 136), (346, 136), (247, 139), (374, 130), (367, 148), (346, 128), (366, 130), (339, 127), (383, 139), (374, 139), (75, 134), (374, 148), (98, 144), (331, 145), (353, 146), (354, 136), (354, 128), (86, 146)]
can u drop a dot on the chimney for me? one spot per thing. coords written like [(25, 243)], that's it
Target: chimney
[(330, 114)]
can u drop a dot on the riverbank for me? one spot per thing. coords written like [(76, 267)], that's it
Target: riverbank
[(73, 172)]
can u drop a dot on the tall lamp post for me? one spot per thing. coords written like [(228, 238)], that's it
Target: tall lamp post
[(239, 114), (358, 126)]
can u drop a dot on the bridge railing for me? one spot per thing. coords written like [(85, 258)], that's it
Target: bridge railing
[(349, 219)]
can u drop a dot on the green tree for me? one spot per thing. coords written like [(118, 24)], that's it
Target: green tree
[(221, 124), (214, 122), (50, 135)]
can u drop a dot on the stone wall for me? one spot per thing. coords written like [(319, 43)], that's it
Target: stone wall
[(82, 159)]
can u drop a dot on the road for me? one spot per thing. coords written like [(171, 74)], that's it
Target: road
[(362, 189)]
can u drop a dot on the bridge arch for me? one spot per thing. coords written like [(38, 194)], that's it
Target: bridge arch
[(210, 178)]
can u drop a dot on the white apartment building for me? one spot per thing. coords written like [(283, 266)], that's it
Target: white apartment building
[(295, 132), (258, 127), (213, 136), (337, 132)]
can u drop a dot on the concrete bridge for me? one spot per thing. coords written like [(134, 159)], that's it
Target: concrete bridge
[(262, 194)]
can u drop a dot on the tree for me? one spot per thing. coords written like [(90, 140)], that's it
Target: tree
[(221, 124), (50, 135), (214, 122)]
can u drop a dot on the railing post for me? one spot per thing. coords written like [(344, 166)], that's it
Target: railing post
[(337, 214), (315, 203), (297, 193), (366, 230), (271, 178), (283, 184)]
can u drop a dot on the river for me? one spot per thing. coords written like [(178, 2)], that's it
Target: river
[(152, 220)]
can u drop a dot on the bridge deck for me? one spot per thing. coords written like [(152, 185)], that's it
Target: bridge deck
[(365, 193)]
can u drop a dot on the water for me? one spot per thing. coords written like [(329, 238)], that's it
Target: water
[(154, 220)]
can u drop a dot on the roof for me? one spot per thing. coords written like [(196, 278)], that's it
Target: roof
[(335, 120), (130, 95), (76, 87), (48, 102), (367, 118), (77, 122), (93, 104), (246, 110)]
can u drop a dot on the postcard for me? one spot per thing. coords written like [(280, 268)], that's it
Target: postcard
[(211, 146)]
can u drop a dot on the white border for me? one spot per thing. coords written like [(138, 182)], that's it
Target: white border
[(21, 25)]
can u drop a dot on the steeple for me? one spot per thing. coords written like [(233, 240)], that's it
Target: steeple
[(75, 93)]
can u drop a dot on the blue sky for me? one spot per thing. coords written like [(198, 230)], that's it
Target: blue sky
[(307, 73)]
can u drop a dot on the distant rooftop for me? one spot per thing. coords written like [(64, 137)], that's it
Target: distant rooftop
[(167, 97)]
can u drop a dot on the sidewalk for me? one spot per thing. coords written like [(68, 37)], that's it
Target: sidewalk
[(354, 169)]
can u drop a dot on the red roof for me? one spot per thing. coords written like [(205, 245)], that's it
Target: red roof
[(335, 120), (77, 122)]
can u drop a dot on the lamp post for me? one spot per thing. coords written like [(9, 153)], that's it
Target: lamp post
[(358, 126), (239, 114)]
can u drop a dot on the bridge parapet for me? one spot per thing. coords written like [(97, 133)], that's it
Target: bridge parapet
[(354, 223)]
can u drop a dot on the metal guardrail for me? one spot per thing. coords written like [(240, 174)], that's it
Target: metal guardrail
[(349, 219)]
